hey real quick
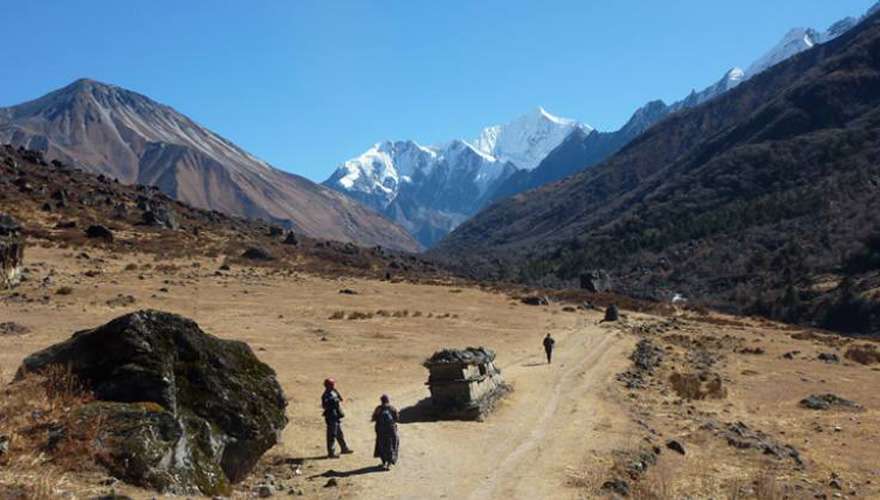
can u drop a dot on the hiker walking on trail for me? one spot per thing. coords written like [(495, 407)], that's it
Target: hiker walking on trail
[(548, 347), (331, 401), (387, 439)]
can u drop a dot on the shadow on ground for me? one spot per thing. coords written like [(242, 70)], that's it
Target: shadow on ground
[(423, 411), (348, 473)]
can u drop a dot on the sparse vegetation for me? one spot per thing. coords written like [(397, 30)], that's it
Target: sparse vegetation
[(38, 414)]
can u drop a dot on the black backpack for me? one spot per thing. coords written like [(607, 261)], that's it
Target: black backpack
[(385, 419)]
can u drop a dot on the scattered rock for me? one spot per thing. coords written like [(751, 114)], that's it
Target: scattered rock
[(534, 300), (159, 215), (675, 446), (97, 231), (612, 313), (827, 402), (13, 328), (11, 252), (740, 436), (181, 410), (828, 357), (331, 483), (595, 281), (264, 491), (646, 358), (119, 212), (4, 445), (257, 253), (618, 486), (291, 239), (347, 291), (752, 350)]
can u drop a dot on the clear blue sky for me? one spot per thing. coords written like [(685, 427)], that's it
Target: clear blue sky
[(308, 84)]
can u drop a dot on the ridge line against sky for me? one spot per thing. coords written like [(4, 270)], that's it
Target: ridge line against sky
[(307, 85)]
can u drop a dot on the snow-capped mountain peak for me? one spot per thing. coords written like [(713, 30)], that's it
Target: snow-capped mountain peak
[(528, 139), (432, 189), (795, 41), (380, 170)]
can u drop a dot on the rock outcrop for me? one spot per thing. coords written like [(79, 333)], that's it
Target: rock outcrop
[(11, 252), (179, 410), (595, 281)]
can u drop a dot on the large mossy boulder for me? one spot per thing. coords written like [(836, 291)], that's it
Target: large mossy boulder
[(177, 409), (11, 252)]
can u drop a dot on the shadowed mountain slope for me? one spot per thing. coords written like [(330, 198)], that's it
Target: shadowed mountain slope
[(757, 200)]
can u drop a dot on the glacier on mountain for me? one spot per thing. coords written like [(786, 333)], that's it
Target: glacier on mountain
[(528, 139), (431, 189)]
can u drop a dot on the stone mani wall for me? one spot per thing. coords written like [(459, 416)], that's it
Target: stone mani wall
[(464, 387)]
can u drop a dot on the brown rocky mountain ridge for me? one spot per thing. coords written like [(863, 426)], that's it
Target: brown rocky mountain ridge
[(764, 200), (57, 204), (121, 134)]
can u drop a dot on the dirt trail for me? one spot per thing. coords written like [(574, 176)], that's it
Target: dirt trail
[(550, 422)]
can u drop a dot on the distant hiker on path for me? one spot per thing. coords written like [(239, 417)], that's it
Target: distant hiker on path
[(387, 438), (331, 401), (548, 347)]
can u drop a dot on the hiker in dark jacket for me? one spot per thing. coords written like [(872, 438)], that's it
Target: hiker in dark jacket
[(548, 347), (331, 401), (387, 439)]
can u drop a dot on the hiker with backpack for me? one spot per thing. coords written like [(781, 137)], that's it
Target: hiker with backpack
[(387, 439), (331, 401)]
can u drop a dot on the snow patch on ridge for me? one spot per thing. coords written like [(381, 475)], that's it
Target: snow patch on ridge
[(527, 140)]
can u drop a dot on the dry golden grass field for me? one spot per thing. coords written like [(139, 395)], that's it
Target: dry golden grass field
[(566, 430)]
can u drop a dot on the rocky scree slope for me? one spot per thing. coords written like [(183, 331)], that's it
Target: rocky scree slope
[(761, 200)]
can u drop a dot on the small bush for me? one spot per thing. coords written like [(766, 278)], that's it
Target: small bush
[(338, 315), (64, 290), (863, 354)]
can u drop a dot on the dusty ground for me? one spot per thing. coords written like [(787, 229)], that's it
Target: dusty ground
[(560, 434)]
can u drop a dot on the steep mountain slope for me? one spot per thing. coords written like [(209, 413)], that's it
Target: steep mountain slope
[(109, 130), (756, 200), (581, 151), (430, 190)]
